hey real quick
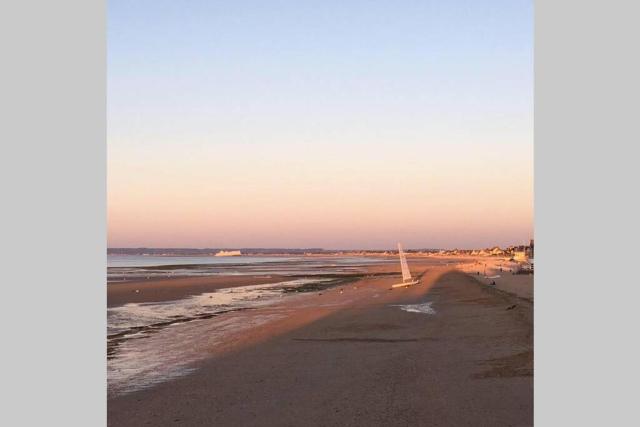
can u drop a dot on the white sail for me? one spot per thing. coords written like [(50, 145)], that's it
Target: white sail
[(406, 274)]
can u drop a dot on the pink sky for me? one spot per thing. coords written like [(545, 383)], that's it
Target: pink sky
[(440, 195)]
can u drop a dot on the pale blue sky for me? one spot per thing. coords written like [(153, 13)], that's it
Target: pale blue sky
[(257, 81)]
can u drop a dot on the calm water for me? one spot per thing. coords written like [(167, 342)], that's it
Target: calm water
[(130, 267), (153, 261)]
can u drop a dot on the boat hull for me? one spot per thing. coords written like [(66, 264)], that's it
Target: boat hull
[(406, 284)]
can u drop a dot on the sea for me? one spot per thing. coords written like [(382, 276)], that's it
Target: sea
[(135, 267)]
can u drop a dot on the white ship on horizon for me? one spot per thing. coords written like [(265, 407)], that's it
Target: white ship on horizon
[(228, 253)]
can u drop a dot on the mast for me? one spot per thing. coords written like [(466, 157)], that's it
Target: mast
[(406, 274)]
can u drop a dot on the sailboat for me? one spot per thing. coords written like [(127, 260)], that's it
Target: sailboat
[(407, 280)]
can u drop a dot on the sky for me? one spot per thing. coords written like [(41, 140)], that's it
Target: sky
[(326, 124)]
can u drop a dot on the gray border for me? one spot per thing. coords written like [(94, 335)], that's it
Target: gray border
[(586, 213), (53, 181), (53, 175)]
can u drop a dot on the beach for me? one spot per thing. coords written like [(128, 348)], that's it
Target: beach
[(450, 351)]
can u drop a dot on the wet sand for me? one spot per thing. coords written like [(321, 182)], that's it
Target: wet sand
[(155, 290), (350, 356)]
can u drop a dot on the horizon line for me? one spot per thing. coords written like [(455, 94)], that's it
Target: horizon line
[(305, 248)]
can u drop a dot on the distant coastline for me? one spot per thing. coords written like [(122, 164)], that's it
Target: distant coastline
[(174, 252)]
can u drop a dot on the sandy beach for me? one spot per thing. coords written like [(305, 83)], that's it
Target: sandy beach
[(451, 351), (499, 272)]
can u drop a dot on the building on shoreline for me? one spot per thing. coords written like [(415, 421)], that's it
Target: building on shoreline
[(521, 256)]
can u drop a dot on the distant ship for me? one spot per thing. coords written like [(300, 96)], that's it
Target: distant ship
[(407, 280), (228, 253)]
